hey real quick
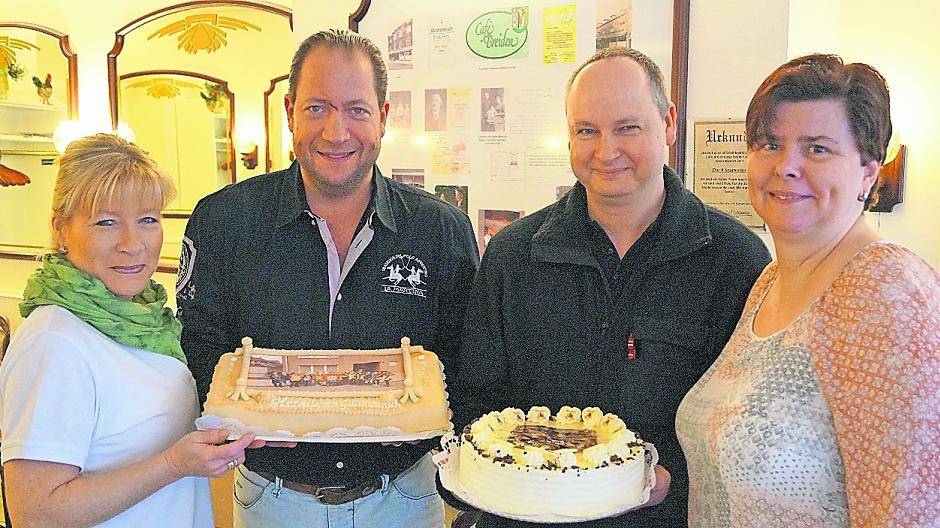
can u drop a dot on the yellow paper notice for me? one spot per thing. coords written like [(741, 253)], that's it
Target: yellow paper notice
[(558, 34)]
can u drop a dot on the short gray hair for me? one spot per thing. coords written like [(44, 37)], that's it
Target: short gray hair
[(653, 73), (343, 40)]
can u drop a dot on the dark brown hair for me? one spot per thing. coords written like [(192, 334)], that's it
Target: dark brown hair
[(343, 40), (861, 89)]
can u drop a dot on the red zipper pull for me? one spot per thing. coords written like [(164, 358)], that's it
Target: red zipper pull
[(631, 348)]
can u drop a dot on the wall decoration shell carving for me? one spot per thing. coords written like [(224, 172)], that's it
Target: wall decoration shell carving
[(162, 88), (202, 32)]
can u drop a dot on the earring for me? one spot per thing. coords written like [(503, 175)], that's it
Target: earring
[(63, 250)]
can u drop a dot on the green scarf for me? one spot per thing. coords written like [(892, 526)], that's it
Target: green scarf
[(143, 322)]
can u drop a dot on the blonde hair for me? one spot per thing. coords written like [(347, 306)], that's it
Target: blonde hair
[(102, 169)]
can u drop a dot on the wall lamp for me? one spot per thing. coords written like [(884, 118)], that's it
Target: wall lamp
[(249, 153), (889, 188)]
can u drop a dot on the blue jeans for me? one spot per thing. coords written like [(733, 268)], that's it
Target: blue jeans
[(411, 501)]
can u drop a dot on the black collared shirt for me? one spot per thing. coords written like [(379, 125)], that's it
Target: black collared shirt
[(617, 271), (254, 264)]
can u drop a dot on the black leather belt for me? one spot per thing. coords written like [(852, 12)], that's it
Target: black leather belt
[(332, 495)]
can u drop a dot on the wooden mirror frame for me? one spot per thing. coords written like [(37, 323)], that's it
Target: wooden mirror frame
[(231, 114), (121, 33), (268, 163), (10, 251), (71, 56), (356, 16)]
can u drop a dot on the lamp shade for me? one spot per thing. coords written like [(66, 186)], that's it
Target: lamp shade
[(67, 132)]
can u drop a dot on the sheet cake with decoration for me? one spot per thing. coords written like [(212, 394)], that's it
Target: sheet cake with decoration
[(316, 395)]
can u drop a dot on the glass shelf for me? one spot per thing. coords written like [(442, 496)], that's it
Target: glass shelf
[(58, 107)]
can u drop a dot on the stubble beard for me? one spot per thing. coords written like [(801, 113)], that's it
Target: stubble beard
[(350, 184)]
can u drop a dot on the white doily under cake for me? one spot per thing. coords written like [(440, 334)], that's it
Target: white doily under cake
[(337, 435), (448, 460)]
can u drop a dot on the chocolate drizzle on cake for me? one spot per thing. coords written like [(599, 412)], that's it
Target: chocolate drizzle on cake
[(552, 438)]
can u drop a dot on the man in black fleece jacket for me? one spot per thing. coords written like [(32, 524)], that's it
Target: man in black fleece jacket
[(621, 294)]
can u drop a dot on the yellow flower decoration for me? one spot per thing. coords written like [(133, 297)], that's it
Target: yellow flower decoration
[(204, 32), (512, 417), (612, 423), (8, 47), (162, 87)]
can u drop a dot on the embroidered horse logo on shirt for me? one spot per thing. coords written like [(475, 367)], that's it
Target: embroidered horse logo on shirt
[(402, 274)]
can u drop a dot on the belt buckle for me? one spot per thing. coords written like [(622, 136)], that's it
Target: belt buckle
[(344, 494), (323, 494)]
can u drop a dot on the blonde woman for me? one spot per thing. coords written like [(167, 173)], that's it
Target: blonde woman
[(96, 401)]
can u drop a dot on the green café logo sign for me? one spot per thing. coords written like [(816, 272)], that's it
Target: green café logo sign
[(499, 34)]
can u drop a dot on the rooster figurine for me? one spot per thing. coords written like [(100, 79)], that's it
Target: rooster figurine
[(44, 89)]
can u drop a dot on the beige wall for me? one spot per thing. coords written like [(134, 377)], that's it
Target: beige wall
[(729, 58), (724, 66), (900, 39)]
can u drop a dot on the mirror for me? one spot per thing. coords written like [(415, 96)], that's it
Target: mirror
[(278, 142), (184, 120), (38, 90), (192, 81)]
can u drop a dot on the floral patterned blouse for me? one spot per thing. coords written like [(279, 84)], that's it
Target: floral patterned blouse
[(833, 420)]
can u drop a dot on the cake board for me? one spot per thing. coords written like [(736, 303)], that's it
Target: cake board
[(337, 435)]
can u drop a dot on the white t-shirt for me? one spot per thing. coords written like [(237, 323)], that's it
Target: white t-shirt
[(72, 395)]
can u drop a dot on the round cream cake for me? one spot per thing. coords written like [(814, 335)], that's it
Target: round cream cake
[(577, 463)]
